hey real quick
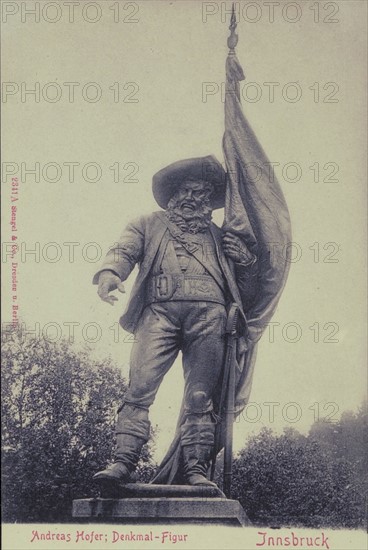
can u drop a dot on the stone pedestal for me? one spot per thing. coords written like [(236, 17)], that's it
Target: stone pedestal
[(162, 504)]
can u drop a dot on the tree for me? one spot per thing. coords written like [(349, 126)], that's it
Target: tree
[(347, 437), (293, 480), (58, 410)]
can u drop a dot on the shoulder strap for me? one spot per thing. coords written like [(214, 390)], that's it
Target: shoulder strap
[(177, 234)]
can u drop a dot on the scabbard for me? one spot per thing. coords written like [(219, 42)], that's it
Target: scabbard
[(227, 400), (229, 421)]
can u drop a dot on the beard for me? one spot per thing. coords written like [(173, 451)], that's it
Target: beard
[(192, 221)]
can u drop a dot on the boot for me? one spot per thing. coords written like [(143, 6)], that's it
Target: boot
[(197, 441), (128, 450), (196, 463)]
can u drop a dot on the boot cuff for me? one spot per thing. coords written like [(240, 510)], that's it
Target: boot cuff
[(197, 434)]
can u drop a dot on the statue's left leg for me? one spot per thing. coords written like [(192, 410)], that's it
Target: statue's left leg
[(203, 358)]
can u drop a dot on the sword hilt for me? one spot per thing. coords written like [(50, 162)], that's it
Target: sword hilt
[(232, 320)]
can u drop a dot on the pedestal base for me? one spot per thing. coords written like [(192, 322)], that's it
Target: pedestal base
[(115, 490), (161, 510)]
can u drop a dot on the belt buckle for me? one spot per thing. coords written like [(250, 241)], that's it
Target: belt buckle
[(163, 286)]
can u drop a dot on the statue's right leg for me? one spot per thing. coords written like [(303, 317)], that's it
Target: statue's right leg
[(153, 353)]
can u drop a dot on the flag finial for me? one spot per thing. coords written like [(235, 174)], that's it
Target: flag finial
[(233, 38)]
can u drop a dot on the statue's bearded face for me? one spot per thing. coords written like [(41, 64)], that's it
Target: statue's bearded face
[(191, 205), (191, 197)]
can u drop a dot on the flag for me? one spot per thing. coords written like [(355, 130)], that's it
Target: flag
[(256, 211)]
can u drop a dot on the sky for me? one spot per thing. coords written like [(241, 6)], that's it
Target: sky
[(147, 80)]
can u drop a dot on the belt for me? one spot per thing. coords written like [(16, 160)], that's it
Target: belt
[(166, 287)]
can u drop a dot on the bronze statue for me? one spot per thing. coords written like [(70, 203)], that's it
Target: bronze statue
[(179, 302)]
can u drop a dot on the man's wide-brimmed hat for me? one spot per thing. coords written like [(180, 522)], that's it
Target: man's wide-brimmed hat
[(166, 182)]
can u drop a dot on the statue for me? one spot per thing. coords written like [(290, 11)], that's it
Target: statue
[(179, 302)]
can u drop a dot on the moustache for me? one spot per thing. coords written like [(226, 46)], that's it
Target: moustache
[(189, 204)]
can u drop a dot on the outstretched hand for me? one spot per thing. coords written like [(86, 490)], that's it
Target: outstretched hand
[(235, 249), (108, 282)]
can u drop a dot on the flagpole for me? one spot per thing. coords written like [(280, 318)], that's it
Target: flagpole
[(231, 330)]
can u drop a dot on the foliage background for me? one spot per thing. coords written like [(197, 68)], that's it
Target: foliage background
[(58, 410)]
